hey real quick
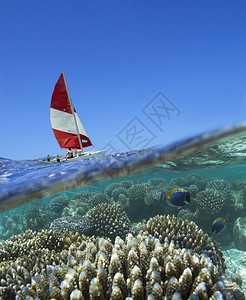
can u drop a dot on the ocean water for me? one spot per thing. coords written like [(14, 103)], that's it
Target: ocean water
[(210, 166)]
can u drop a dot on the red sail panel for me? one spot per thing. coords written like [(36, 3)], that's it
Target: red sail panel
[(69, 140), (60, 99), (65, 124)]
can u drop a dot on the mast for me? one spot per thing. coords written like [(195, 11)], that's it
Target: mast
[(72, 109)]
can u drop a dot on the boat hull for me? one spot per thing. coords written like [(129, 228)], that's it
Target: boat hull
[(88, 154)]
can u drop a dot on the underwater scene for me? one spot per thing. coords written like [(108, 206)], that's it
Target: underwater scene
[(174, 229)]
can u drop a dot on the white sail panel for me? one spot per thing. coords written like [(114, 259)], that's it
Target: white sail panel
[(63, 121)]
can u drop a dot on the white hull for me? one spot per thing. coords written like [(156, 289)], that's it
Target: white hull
[(89, 154)]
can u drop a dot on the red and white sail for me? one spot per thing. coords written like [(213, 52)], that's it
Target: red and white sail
[(66, 124)]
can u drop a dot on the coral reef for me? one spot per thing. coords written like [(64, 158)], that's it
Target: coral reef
[(238, 189), (137, 193), (234, 287), (210, 201), (75, 207), (221, 186), (126, 183), (184, 234), (82, 196), (139, 267), (186, 214), (11, 225), (117, 192), (57, 204), (239, 233), (111, 187), (36, 218), (157, 181), (123, 201), (193, 190), (27, 254), (109, 220), (193, 179), (178, 182), (80, 224), (98, 198)]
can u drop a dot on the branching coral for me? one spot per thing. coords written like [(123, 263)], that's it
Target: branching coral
[(98, 198), (36, 218), (184, 234), (111, 187), (110, 220), (137, 193), (57, 204), (221, 186), (140, 268), (210, 201), (117, 192), (178, 181), (157, 181)]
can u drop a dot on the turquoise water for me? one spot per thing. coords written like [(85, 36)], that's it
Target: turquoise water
[(214, 176)]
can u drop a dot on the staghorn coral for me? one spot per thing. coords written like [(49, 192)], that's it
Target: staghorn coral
[(210, 201), (221, 186), (139, 267), (184, 234), (109, 220)]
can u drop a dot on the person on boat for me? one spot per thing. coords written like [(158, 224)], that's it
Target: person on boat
[(69, 153), (78, 152)]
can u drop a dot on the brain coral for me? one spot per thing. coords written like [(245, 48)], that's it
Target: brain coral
[(210, 201), (184, 234), (109, 220), (139, 268)]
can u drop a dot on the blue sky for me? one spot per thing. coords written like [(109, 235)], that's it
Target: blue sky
[(117, 57)]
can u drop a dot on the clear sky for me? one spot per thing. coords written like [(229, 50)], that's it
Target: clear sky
[(118, 56)]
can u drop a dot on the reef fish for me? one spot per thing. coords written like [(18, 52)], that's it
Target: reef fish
[(218, 225), (178, 197)]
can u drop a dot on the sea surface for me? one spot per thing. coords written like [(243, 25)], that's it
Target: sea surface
[(210, 166)]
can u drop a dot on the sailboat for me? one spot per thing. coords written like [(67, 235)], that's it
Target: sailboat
[(65, 122)]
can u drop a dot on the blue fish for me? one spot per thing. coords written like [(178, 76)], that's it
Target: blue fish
[(178, 198), (218, 225)]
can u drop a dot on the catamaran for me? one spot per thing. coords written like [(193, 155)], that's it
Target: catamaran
[(67, 127)]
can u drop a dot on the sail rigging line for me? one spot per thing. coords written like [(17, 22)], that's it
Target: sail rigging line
[(72, 109)]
